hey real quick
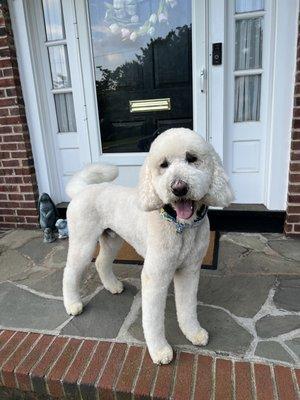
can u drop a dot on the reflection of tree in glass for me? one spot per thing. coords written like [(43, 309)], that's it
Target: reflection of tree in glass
[(129, 74)]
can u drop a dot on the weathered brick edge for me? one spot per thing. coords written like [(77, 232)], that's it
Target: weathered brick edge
[(292, 223), (18, 188), (61, 367)]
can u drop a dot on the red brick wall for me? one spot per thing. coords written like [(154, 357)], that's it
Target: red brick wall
[(18, 188), (292, 225)]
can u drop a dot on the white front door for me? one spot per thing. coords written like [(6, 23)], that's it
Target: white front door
[(148, 62), (248, 96)]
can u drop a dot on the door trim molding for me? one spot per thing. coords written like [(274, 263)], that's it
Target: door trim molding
[(200, 67), (216, 73), (285, 28), (42, 144)]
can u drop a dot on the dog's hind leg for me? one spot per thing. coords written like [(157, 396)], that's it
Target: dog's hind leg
[(79, 257), (110, 244)]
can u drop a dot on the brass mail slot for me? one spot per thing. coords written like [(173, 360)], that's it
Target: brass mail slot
[(149, 105)]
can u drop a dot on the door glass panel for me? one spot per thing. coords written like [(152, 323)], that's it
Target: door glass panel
[(248, 5), (53, 19), (136, 48), (65, 112), (248, 43), (247, 98), (59, 66)]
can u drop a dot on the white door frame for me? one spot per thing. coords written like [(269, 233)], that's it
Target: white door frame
[(42, 147), (49, 146), (285, 31), (216, 100)]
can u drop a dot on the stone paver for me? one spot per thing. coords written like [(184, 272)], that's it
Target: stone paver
[(37, 250), (259, 264), (287, 295), (235, 293), (288, 248), (50, 281), (294, 345), (254, 241), (22, 309), (13, 265), (272, 350), (271, 326), (252, 297), (225, 334), (58, 257), (17, 238), (252, 254), (103, 316)]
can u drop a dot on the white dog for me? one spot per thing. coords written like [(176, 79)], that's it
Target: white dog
[(164, 219)]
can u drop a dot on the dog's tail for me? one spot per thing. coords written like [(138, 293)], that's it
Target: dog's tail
[(91, 174)]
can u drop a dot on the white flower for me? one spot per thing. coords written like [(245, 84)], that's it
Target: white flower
[(120, 13), (131, 9), (134, 19), (133, 36), (151, 31), (125, 32), (114, 28), (118, 4), (153, 18), (172, 3), (162, 17)]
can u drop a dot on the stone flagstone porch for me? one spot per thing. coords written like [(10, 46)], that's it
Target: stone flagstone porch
[(250, 305)]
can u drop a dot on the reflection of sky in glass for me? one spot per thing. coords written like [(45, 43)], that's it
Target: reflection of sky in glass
[(53, 19), (59, 66), (109, 24)]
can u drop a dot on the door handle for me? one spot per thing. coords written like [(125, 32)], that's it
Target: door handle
[(203, 80)]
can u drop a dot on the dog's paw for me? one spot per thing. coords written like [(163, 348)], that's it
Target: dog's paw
[(74, 308), (115, 288), (163, 355), (200, 338)]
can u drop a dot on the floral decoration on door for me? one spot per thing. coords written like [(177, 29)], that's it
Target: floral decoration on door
[(122, 17)]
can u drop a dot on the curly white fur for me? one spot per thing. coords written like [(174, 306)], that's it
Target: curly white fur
[(93, 173), (98, 209)]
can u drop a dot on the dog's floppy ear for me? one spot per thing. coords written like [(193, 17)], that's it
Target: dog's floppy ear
[(148, 198), (220, 193)]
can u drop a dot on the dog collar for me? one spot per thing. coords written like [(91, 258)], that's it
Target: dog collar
[(166, 213)]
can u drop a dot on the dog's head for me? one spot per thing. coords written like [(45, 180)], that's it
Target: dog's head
[(184, 171)]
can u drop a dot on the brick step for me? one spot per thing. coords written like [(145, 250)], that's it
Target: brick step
[(39, 366)]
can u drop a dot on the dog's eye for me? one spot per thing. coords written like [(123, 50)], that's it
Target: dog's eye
[(164, 164), (190, 158)]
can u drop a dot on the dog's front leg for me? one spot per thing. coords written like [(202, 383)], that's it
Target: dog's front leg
[(186, 287), (155, 284)]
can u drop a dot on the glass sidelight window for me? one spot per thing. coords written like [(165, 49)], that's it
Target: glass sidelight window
[(249, 21), (59, 65)]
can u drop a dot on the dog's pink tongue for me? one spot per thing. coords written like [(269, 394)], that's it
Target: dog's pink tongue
[(184, 209)]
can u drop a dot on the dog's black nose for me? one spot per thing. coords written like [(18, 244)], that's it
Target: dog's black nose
[(179, 188)]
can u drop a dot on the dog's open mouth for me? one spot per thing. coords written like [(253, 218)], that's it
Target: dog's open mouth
[(184, 208)]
